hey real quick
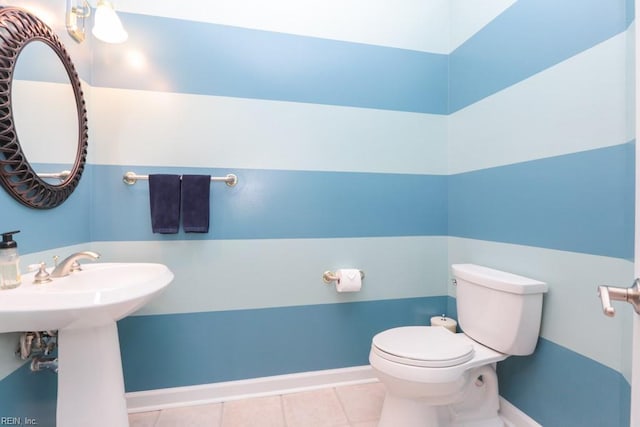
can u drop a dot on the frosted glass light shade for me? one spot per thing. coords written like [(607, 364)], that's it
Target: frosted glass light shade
[(107, 25)]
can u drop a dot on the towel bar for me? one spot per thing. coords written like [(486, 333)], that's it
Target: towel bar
[(131, 178)]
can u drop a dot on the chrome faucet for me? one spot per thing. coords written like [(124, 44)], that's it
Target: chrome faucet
[(71, 264)]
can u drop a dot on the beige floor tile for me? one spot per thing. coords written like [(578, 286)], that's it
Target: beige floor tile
[(143, 419), (319, 408), (256, 412), (192, 416), (365, 424), (362, 402)]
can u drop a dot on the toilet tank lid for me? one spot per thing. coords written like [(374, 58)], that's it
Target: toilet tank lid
[(499, 280)]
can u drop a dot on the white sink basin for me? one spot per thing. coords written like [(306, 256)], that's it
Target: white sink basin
[(100, 294), (84, 308)]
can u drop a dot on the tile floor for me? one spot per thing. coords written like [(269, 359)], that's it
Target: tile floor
[(348, 406)]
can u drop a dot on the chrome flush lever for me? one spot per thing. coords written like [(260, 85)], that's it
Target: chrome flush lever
[(630, 295)]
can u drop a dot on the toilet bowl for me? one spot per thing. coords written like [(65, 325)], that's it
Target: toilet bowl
[(437, 378), (427, 368)]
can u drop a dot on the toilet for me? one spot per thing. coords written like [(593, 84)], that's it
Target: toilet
[(434, 377)]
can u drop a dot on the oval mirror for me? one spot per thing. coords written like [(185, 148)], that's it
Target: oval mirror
[(43, 119)]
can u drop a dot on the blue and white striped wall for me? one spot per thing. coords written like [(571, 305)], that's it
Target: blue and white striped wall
[(362, 136), (541, 182)]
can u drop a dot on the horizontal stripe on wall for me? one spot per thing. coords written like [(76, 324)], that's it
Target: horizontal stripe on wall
[(534, 203), (214, 275), (560, 388), (267, 204), (43, 229), (203, 348), (572, 303), (28, 395), (551, 113), (416, 25), (530, 36), (210, 59), (215, 131), (395, 267), (580, 202), (242, 62)]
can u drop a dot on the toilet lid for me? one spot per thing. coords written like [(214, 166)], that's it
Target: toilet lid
[(427, 346)]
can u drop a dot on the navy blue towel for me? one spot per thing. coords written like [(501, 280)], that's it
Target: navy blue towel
[(164, 200), (195, 203)]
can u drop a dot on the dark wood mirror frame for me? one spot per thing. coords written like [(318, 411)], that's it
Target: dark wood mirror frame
[(17, 29)]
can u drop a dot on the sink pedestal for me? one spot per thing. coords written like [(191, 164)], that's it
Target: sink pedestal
[(84, 307), (90, 381)]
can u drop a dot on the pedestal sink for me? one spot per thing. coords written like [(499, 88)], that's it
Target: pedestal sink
[(84, 308)]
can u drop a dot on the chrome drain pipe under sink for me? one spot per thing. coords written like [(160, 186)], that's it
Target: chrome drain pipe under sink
[(36, 345)]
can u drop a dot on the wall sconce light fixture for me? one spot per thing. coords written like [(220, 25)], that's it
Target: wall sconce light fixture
[(77, 14), (106, 27)]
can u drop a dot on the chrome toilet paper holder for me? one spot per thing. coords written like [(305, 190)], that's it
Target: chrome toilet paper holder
[(329, 276)]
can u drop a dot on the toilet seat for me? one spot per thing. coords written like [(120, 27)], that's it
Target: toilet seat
[(423, 346)]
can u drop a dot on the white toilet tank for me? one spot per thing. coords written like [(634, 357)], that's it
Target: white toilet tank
[(500, 310)]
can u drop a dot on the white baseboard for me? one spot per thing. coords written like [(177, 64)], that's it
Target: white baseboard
[(154, 400), (514, 417)]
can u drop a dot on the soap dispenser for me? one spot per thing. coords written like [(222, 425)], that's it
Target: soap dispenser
[(9, 262)]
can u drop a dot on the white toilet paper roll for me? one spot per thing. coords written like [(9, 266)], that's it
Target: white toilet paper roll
[(349, 280), (447, 322)]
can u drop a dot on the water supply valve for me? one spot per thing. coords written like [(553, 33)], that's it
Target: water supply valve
[(630, 295), (37, 343)]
